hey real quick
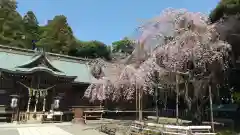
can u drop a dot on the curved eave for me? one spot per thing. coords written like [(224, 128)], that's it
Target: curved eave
[(35, 59), (36, 69), (30, 61)]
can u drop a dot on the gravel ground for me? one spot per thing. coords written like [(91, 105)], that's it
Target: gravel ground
[(91, 128), (48, 129), (78, 129)]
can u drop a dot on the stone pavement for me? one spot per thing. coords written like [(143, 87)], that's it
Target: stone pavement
[(48, 129)]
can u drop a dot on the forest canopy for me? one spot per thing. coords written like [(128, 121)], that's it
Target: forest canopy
[(56, 36)]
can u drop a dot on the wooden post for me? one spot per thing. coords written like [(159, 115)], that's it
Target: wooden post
[(37, 95), (210, 104), (30, 94), (156, 101), (136, 103), (35, 108), (177, 93), (29, 100), (139, 103), (44, 104)]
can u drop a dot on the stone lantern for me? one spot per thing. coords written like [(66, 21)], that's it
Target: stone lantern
[(14, 104)]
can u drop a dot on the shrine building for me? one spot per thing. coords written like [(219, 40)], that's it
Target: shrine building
[(31, 81)]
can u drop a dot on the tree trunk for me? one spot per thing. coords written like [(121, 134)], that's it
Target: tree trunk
[(196, 114)]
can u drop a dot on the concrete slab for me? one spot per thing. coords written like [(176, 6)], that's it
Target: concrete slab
[(81, 130), (48, 129), (9, 132)]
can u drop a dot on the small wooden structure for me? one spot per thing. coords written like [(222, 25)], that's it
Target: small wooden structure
[(52, 117), (95, 112), (82, 113)]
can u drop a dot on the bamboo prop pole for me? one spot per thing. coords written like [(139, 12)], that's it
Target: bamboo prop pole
[(139, 106), (177, 93), (210, 103), (136, 98), (156, 102), (177, 98)]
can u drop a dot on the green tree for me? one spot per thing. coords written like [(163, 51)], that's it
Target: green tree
[(91, 49), (57, 36), (229, 30), (11, 24), (225, 8), (124, 46), (31, 28)]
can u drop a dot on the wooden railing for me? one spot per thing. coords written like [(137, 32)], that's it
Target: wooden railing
[(93, 112), (141, 128)]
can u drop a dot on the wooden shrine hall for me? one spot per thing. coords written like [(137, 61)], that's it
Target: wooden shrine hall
[(33, 83)]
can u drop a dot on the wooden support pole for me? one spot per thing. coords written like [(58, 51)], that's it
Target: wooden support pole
[(177, 94), (136, 103), (139, 104), (210, 104), (156, 102)]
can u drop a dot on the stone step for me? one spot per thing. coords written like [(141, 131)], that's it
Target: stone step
[(2, 108), (3, 119), (4, 115)]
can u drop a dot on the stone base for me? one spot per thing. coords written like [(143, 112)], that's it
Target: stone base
[(78, 121), (15, 122)]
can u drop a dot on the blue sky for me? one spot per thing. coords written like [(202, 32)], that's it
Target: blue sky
[(107, 20)]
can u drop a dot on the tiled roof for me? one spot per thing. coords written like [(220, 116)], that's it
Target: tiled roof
[(11, 58)]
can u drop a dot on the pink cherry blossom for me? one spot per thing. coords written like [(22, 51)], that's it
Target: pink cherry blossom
[(164, 46)]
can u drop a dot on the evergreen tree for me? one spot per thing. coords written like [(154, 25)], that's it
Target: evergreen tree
[(31, 28), (11, 25), (124, 46), (57, 36), (225, 8)]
